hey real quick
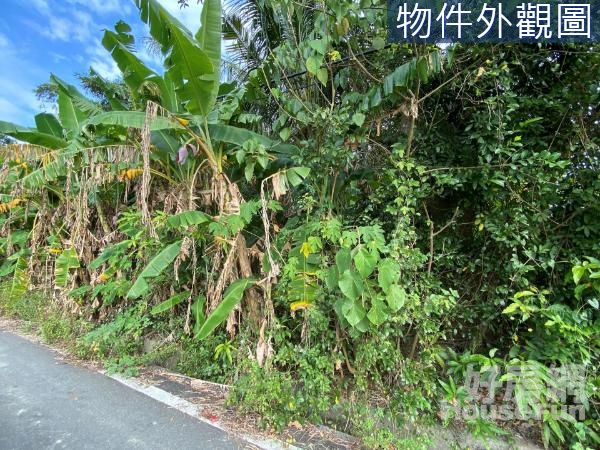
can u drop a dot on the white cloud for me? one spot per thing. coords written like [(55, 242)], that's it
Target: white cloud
[(103, 7), (4, 42), (40, 5), (190, 16), (101, 61), (17, 104), (79, 27)]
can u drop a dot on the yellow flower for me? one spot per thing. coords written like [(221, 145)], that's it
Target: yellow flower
[(182, 121), (103, 277), (300, 305), (5, 207), (305, 249), (130, 174), (54, 250), (334, 55)]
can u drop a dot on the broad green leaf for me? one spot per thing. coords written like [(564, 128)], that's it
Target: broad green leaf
[(351, 284), (295, 175), (353, 312), (188, 218), (323, 75), (81, 102), (49, 124), (132, 119), (70, 112), (66, 260), (209, 39), (32, 136), (578, 273), (136, 74), (284, 134), (170, 303), (239, 136), (365, 261), (52, 170), (358, 119), (154, 268), (187, 64), (7, 268), (20, 280), (313, 63), (332, 278), (377, 314), (198, 313), (233, 295), (396, 297), (343, 259), (319, 45), (108, 253), (389, 272)]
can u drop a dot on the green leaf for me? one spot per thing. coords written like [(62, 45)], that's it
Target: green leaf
[(389, 272), (351, 284), (209, 39), (132, 119), (353, 312), (358, 119), (239, 136), (578, 273), (365, 261), (198, 313), (343, 258), (108, 253), (71, 115), (396, 297), (313, 63), (295, 175), (249, 171), (154, 268), (66, 260), (377, 314), (284, 134), (52, 170), (32, 136), (49, 124), (319, 45), (188, 66), (378, 43), (233, 295), (136, 74), (510, 309), (188, 218), (20, 280), (522, 294), (169, 303), (323, 76)]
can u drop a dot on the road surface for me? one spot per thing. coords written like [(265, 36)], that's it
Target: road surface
[(48, 404)]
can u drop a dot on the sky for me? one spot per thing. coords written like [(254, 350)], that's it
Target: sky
[(63, 37)]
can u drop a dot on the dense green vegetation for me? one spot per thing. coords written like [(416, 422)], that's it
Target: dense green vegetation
[(344, 224)]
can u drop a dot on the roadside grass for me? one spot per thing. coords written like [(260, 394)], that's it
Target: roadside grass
[(121, 344)]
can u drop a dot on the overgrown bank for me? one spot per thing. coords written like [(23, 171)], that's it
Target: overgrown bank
[(345, 222)]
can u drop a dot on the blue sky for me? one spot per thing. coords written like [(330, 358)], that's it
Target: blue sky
[(39, 37)]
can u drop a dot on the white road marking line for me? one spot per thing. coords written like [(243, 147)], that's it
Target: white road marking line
[(190, 409)]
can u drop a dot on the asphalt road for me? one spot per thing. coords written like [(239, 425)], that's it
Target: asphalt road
[(48, 404)]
